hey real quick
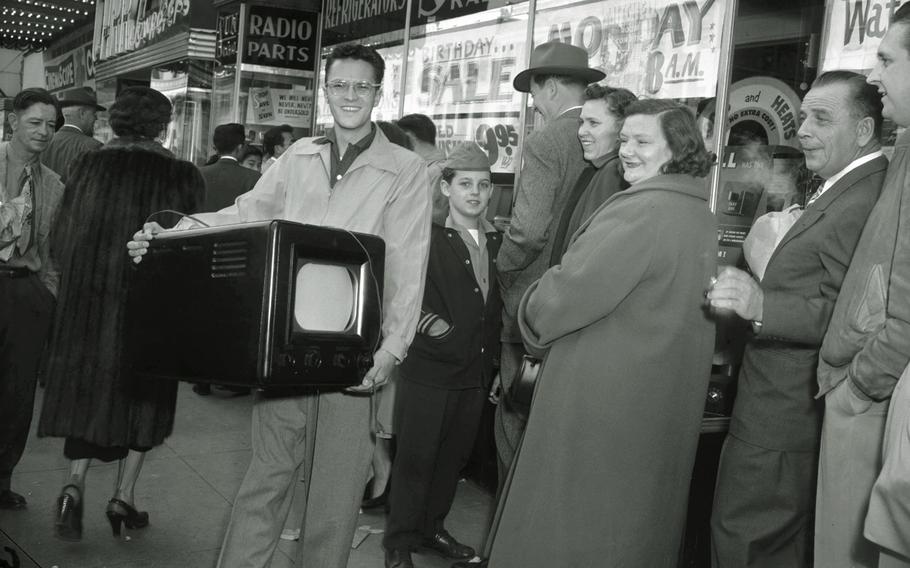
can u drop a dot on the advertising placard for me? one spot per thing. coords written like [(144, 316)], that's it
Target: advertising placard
[(227, 30), (271, 106), (73, 68), (348, 20), (853, 30), (462, 78), (655, 48), (61, 75), (128, 25), (279, 37)]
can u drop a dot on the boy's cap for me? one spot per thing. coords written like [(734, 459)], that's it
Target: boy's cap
[(468, 157)]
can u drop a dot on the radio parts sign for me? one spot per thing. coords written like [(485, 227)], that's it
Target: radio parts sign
[(655, 48), (279, 37), (853, 30)]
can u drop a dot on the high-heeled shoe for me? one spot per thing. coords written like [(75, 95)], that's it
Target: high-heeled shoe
[(68, 522), (120, 512), (381, 500)]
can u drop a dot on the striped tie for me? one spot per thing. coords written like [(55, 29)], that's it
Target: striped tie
[(28, 225), (814, 189)]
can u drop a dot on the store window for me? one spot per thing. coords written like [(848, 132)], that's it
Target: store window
[(274, 51), (188, 85), (460, 74), (774, 61)]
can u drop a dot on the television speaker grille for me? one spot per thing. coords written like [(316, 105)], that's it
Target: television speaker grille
[(229, 259)]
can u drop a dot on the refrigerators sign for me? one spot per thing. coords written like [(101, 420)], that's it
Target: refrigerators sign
[(280, 37), (853, 30), (655, 48), (344, 12)]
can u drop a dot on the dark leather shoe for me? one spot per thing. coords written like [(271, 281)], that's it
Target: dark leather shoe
[(446, 545), (12, 501), (202, 389), (398, 558)]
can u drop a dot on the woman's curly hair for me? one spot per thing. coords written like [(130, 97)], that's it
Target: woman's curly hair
[(140, 112), (677, 123)]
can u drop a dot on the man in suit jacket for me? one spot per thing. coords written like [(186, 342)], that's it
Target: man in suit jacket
[(74, 139), (867, 345), (30, 196), (763, 504), (551, 162), (226, 178)]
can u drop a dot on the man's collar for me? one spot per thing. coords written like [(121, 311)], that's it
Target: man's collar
[(381, 153), (227, 157), (850, 167), (74, 127), (332, 138)]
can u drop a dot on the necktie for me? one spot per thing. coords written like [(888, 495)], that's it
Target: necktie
[(814, 189), (28, 225)]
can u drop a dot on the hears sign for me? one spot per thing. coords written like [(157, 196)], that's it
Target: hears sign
[(279, 37)]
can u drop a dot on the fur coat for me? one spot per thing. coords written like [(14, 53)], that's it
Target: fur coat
[(90, 393)]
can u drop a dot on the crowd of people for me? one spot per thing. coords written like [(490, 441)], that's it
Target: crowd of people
[(606, 282)]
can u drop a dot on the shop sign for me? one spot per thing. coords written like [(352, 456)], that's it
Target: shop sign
[(463, 79), (269, 106), (766, 106), (425, 11), (279, 37), (88, 61), (342, 13), (227, 30), (655, 48), (128, 25), (853, 30), (73, 68), (61, 75)]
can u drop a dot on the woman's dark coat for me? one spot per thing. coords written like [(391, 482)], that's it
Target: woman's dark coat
[(602, 474), (90, 392)]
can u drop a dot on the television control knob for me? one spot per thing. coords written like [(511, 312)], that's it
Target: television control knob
[(312, 360), (341, 360), (290, 360), (365, 362)]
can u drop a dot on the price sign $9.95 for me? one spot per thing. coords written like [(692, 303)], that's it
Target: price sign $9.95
[(500, 142)]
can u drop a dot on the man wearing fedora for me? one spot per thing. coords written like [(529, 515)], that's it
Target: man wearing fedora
[(551, 163), (74, 139)]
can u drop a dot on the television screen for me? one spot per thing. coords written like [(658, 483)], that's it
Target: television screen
[(325, 297)]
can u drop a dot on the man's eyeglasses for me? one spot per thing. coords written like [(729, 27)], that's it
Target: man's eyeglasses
[(361, 89)]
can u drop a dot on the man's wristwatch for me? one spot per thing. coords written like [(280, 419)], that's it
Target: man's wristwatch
[(756, 326)]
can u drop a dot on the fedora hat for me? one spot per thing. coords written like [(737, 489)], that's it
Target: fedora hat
[(557, 58), (79, 97)]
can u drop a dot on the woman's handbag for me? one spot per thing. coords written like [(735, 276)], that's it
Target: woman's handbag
[(521, 393)]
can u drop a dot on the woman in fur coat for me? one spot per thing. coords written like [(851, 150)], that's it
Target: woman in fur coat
[(91, 398)]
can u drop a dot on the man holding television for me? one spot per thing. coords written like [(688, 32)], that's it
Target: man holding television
[(352, 178)]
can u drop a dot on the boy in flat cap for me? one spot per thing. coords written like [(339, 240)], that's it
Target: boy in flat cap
[(450, 366)]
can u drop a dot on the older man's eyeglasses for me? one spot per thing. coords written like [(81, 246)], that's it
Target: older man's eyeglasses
[(361, 89)]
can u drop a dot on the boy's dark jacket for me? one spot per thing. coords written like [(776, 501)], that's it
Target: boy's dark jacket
[(466, 357)]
